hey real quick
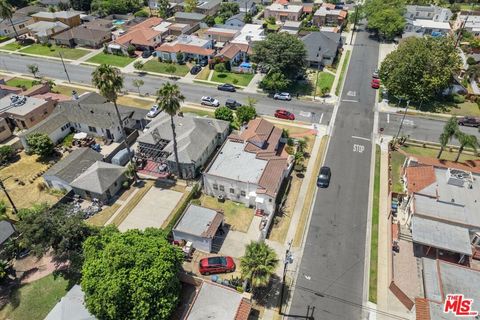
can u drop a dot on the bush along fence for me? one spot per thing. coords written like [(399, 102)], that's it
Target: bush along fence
[(182, 208)]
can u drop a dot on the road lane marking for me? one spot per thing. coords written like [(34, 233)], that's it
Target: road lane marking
[(408, 122), (388, 117), (358, 148), (351, 93), (321, 118), (348, 100), (305, 114), (361, 138)]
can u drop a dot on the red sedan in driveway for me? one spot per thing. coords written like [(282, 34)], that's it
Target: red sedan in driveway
[(284, 114), (375, 83), (216, 265)]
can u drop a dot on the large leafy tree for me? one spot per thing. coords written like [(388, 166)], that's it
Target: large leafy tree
[(42, 228), (388, 22), (6, 12), (228, 9), (449, 131), (81, 5), (109, 82), (116, 6), (282, 52), (274, 81), (190, 5), (162, 7), (40, 144), (131, 275), (246, 113), (420, 69), (224, 113), (466, 141), (169, 99), (258, 264)]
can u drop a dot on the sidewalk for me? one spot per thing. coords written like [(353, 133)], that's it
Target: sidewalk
[(253, 85), (87, 56)]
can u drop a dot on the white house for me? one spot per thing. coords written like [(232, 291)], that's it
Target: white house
[(191, 46), (427, 20)]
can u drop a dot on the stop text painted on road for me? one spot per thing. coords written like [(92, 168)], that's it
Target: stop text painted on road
[(358, 148)]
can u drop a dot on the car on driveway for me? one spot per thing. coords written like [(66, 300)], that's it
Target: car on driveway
[(375, 83), (282, 96), (323, 179), (195, 69), (284, 114), (209, 101), (232, 104), (469, 122), (154, 111), (226, 87), (213, 265), (146, 54)]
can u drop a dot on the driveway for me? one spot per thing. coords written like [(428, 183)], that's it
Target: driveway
[(152, 210)]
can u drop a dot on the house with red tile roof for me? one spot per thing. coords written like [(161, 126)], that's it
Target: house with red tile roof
[(235, 52), (191, 46), (250, 168), (328, 15)]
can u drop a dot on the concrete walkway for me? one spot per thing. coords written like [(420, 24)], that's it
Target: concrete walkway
[(87, 56), (122, 205), (253, 85), (210, 75)]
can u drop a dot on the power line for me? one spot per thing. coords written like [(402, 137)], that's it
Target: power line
[(2, 186)]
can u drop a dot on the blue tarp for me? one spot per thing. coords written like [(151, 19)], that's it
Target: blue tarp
[(245, 65)]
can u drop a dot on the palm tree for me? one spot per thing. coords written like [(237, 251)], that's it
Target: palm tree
[(169, 98), (258, 264), (449, 131), (6, 12), (466, 140), (109, 82)]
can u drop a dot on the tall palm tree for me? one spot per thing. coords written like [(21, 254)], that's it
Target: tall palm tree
[(258, 264), (466, 140), (169, 98), (6, 12), (449, 131), (109, 82)]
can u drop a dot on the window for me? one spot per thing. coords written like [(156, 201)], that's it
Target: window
[(215, 186), (92, 129), (2, 128), (21, 26), (45, 112), (232, 190), (115, 184), (222, 188), (65, 127), (32, 119), (270, 200), (243, 193)]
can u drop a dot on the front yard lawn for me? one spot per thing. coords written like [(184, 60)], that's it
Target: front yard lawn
[(374, 239), (162, 67), (242, 79), (112, 59), (465, 109), (20, 82), (325, 79), (198, 112), (135, 102), (12, 46), (34, 301), (203, 75), (236, 214), (67, 91), (432, 153), (396, 163), (54, 51)]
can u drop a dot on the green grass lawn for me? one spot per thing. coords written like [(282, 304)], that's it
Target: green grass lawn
[(161, 67), (112, 59), (65, 90), (372, 292), (55, 51), (20, 82), (198, 112), (396, 162), (243, 79), (325, 79), (203, 75), (13, 46), (466, 109), (343, 71), (432, 153), (33, 301)]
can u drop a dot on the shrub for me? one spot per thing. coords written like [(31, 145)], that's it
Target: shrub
[(458, 98), (41, 186), (224, 113), (290, 150), (471, 61), (6, 152), (235, 81), (40, 144), (131, 50), (220, 67), (141, 14), (138, 65)]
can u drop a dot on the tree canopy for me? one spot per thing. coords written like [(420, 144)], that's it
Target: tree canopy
[(131, 275), (245, 114), (228, 9), (40, 144), (385, 17), (274, 81), (420, 69), (224, 113), (258, 263), (116, 6), (282, 52)]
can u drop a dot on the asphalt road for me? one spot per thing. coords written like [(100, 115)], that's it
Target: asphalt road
[(82, 74), (418, 128), (331, 272)]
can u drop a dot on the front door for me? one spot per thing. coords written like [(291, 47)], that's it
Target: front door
[(109, 134)]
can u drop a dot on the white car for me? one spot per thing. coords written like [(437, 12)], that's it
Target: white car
[(209, 101), (154, 111), (282, 96)]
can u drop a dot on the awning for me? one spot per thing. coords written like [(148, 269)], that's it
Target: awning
[(114, 46), (259, 200), (79, 136)]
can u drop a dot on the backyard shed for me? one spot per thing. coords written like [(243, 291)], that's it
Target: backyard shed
[(198, 225)]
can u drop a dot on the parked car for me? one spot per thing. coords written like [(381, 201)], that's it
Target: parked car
[(232, 104), (469, 121), (323, 179), (375, 74), (154, 111), (226, 87), (212, 265), (146, 54), (282, 96), (284, 114), (375, 83), (195, 69), (203, 63), (209, 101)]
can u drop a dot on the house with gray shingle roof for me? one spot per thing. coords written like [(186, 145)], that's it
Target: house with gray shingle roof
[(101, 180), (6, 231), (322, 47), (90, 113), (197, 139), (68, 169)]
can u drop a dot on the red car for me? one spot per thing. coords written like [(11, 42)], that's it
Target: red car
[(375, 83), (284, 114), (216, 265)]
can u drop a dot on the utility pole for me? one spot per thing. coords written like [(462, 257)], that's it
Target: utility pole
[(64, 67), (288, 259), (2, 186), (403, 119), (354, 22)]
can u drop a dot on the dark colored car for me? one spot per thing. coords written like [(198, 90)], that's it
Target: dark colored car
[(375, 83), (232, 104), (203, 63), (213, 265), (226, 87), (284, 114), (323, 180), (469, 122), (195, 69), (146, 54)]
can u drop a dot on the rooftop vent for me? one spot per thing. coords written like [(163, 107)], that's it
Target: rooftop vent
[(17, 101), (459, 178)]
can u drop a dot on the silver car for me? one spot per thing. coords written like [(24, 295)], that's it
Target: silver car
[(282, 96), (154, 111), (209, 101)]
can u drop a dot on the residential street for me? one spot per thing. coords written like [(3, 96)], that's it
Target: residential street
[(331, 274), (193, 93)]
